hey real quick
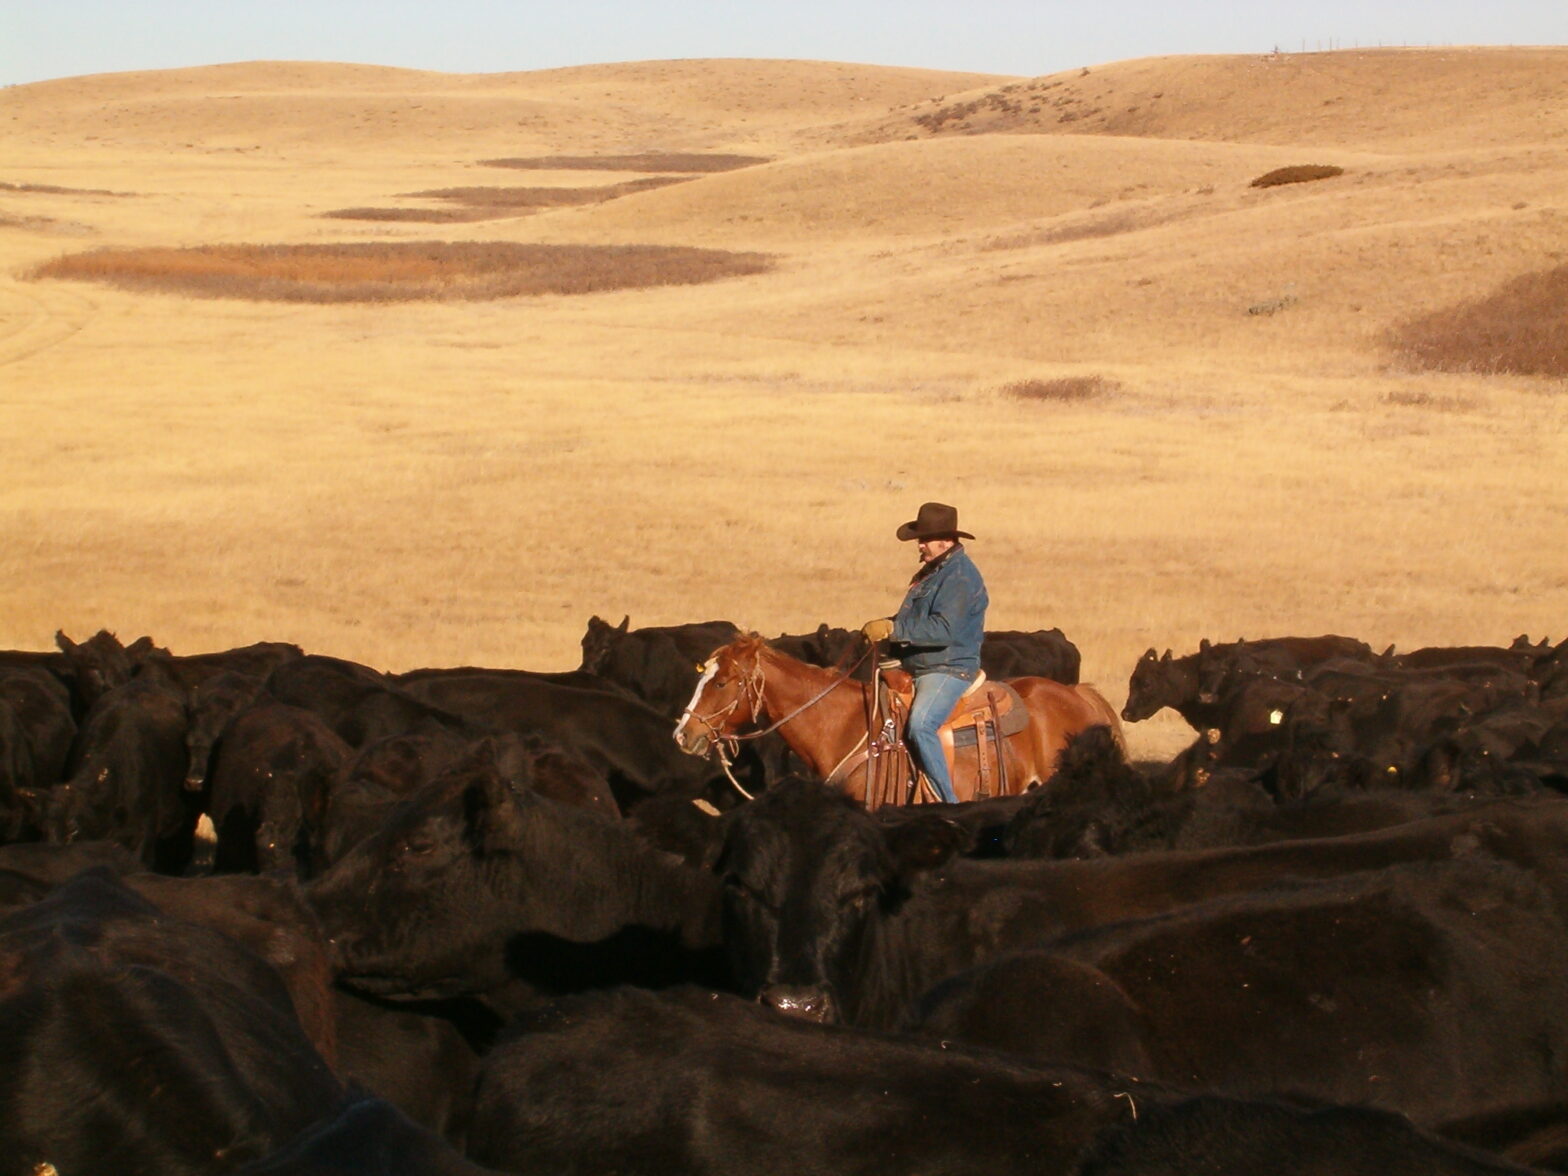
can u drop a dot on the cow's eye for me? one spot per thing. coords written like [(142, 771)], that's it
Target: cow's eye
[(419, 845)]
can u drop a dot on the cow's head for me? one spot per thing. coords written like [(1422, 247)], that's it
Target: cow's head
[(599, 641), (1157, 681), (97, 665), (807, 877)]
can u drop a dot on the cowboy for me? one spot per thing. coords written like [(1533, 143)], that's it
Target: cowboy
[(937, 632)]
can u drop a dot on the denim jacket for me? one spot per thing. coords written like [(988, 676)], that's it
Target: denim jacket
[(942, 620)]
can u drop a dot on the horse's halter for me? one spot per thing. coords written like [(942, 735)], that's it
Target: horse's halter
[(721, 743), (725, 744), (749, 691)]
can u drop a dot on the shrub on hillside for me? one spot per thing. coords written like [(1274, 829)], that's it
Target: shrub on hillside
[(439, 216), (1298, 174), (400, 271), (648, 161), (545, 197), (1521, 328), (488, 203), (1063, 389)]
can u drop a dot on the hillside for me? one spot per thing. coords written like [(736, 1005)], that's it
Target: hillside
[(1364, 99), (1172, 404)]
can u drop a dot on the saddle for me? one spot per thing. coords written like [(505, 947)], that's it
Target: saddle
[(987, 713)]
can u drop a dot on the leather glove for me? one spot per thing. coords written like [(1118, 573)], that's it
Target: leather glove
[(878, 630)]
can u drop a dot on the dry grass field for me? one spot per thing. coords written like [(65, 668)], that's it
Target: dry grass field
[(1170, 403)]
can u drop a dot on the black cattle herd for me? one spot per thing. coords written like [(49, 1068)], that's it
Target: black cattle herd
[(267, 911)]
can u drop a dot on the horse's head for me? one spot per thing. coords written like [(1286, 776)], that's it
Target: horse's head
[(728, 694)]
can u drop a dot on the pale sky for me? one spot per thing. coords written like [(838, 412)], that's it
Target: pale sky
[(42, 39)]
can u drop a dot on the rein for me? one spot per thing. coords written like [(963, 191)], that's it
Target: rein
[(843, 676), (755, 684)]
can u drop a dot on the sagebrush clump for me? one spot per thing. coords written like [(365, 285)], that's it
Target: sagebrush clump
[(1063, 388), (400, 271), (1300, 173), (1521, 328)]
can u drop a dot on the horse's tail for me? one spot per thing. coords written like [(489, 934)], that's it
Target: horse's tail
[(1111, 719)]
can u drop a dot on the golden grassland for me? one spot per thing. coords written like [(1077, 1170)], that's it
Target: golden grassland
[(1170, 404)]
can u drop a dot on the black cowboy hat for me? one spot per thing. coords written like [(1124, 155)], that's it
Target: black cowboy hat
[(936, 520)]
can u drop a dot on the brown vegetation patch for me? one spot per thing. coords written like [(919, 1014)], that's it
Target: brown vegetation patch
[(1064, 389), (1300, 173), (651, 161), (477, 204), (1521, 328), (514, 198), (440, 216), (400, 271), (1404, 398), (55, 190)]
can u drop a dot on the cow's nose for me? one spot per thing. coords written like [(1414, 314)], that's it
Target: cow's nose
[(807, 1003)]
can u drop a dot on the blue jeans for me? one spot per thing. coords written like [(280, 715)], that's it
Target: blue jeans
[(935, 696)]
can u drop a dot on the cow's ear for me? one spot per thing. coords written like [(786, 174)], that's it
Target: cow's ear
[(625, 624), (925, 843), (65, 644), (1203, 645)]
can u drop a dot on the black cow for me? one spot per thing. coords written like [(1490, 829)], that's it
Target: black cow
[(829, 914), (1192, 685), (133, 1042), (1435, 989), (627, 742), (695, 1082), (96, 666), (361, 704), (1043, 653), (267, 791), (381, 776), (128, 774), (41, 706), (1097, 804), (658, 663), (474, 884)]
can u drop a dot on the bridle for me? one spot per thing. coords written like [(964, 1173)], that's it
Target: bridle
[(725, 745)]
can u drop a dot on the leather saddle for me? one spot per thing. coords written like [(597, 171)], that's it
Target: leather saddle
[(986, 714), (983, 703)]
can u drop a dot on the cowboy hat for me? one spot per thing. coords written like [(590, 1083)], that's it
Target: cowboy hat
[(936, 520)]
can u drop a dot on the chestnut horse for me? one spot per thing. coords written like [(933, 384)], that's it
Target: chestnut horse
[(821, 714)]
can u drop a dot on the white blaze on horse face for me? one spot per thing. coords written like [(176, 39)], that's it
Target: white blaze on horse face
[(709, 669)]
